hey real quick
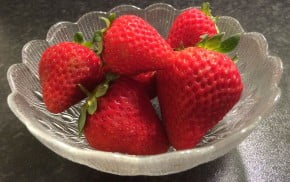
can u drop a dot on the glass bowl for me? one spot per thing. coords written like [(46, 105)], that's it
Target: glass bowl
[(260, 73)]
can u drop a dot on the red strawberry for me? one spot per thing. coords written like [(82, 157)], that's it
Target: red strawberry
[(148, 80), (133, 46), (190, 25), (126, 122), (195, 93), (62, 67)]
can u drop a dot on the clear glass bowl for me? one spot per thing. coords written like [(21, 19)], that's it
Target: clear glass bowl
[(260, 72)]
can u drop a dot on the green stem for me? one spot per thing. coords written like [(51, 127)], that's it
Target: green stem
[(84, 90)]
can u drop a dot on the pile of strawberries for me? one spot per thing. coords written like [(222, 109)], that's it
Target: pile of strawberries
[(128, 63)]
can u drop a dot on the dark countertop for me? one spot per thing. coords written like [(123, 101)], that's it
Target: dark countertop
[(263, 156)]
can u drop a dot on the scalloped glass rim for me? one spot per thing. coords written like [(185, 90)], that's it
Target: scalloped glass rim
[(161, 164)]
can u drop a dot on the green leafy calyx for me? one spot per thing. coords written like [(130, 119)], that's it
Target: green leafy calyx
[(216, 43), (91, 104), (96, 44), (78, 37)]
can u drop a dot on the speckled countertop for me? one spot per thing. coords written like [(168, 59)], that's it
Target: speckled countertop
[(263, 156)]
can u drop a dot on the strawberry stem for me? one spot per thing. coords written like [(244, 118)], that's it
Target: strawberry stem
[(92, 105), (84, 90), (82, 119)]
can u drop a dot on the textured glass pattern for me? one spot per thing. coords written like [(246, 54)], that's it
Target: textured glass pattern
[(260, 72)]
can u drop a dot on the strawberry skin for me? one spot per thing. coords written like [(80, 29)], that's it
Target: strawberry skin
[(126, 122), (62, 67), (195, 93), (189, 26), (148, 80), (133, 46)]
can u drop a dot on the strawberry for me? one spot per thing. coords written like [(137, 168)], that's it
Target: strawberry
[(61, 68), (198, 90), (125, 121), (133, 46), (148, 80), (190, 25)]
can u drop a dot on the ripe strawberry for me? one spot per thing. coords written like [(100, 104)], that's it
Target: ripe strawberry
[(190, 25), (133, 46), (126, 122), (196, 92), (62, 67), (148, 80)]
